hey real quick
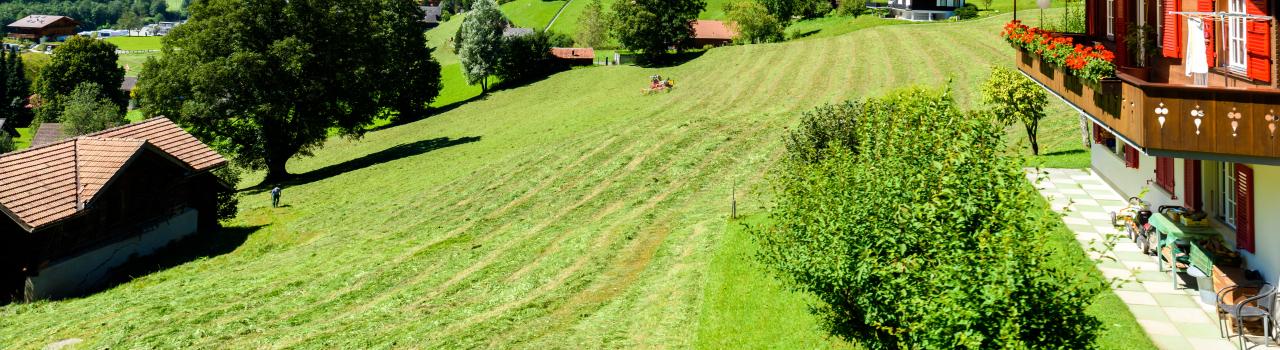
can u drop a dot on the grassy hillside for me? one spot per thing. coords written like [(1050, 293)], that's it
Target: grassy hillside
[(572, 212), (534, 14)]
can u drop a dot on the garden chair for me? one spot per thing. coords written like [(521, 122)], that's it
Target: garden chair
[(1261, 306)]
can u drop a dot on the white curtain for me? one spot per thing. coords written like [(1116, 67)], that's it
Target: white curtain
[(1196, 62)]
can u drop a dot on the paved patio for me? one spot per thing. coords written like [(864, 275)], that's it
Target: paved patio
[(1173, 318)]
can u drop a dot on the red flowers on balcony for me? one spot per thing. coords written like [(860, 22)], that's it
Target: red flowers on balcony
[(1089, 63)]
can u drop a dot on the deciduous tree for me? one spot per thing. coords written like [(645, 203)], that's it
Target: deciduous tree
[(1013, 98), (480, 42), (753, 22), (77, 61), (264, 81), (653, 26), (593, 26), (85, 111)]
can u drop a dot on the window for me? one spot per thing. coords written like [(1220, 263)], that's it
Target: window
[(1236, 49), (1227, 193), (1111, 19), (1164, 173)]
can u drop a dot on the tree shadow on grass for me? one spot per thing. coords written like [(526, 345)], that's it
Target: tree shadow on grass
[(394, 153), (191, 248), (671, 60), (798, 35)]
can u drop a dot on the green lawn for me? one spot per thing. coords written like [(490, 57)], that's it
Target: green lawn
[(569, 213), (133, 43), (745, 307), (132, 63), (534, 14), (24, 139)]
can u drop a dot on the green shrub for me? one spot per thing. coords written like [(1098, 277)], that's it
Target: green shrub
[(919, 237), (753, 22), (853, 8), (968, 11)]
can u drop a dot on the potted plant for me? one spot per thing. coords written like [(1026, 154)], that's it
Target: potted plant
[(1141, 42)]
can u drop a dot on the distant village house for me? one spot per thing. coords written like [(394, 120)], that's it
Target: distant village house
[(574, 56), (41, 28), (711, 33), (76, 209)]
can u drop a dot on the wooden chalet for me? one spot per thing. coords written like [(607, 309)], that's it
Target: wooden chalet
[(42, 28), (924, 10), (75, 209), (574, 56), (1190, 121), (711, 33)]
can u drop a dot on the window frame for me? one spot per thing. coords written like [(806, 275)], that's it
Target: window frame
[(1237, 37), (1227, 193), (1111, 19)]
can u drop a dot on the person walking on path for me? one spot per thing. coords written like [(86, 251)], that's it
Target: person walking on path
[(275, 197)]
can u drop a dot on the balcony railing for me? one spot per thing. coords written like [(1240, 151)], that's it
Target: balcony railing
[(1240, 124)]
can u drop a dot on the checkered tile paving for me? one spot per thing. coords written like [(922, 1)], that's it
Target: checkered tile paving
[(1173, 318)]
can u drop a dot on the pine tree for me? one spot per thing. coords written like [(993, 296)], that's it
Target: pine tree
[(17, 89)]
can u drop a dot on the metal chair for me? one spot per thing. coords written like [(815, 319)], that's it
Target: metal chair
[(1261, 306)]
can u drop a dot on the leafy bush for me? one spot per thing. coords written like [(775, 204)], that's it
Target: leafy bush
[(228, 201), (753, 22), (919, 237), (825, 126), (968, 11), (853, 8), (527, 58), (86, 110)]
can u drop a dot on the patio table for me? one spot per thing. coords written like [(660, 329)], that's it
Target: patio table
[(1170, 232)]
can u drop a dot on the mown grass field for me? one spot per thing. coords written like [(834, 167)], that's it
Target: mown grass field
[(534, 14), (133, 43), (572, 212)]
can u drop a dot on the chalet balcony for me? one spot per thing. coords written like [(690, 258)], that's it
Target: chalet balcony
[(1171, 119)]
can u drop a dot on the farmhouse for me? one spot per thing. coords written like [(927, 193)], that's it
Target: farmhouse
[(76, 209), (924, 10), (1191, 120), (711, 33), (43, 28), (574, 56)]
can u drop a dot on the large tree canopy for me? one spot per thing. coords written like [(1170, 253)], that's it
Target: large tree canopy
[(266, 80), (80, 60), (652, 26)]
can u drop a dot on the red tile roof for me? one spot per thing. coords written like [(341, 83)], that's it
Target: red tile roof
[(574, 53), (42, 185), (708, 29)]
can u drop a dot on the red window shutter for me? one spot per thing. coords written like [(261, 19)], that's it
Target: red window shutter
[(1164, 173), (1191, 184), (1171, 39), (1258, 42), (1209, 47), (1097, 134), (1244, 207), (1131, 157)]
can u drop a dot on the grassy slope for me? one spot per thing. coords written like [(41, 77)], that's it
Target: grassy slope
[(585, 214), (531, 13)]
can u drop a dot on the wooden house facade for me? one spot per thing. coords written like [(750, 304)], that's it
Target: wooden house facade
[(76, 209), (1191, 120), (41, 28)]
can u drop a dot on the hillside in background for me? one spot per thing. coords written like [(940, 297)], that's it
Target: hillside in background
[(572, 212)]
